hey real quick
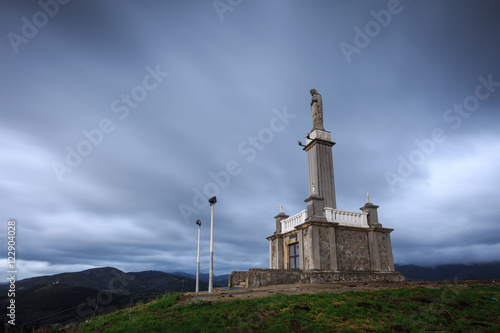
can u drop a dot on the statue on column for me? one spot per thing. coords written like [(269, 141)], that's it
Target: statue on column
[(317, 110)]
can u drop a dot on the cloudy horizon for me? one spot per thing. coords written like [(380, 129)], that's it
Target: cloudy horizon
[(119, 119)]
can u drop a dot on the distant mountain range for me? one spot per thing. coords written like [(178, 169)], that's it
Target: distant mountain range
[(450, 272), (219, 280), (116, 281), (107, 289), (99, 290)]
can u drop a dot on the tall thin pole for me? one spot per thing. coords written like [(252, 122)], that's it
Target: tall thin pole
[(198, 262), (211, 275)]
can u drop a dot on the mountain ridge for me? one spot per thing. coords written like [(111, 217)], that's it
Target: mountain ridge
[(451, 272)]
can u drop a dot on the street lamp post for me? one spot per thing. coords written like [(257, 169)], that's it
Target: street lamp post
[(198, 259), (212, 202)]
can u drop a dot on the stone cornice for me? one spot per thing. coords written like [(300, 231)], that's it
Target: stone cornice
[(347, 227), (316, 223)]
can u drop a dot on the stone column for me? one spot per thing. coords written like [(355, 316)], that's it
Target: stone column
[(301, 249), (270, 255), (279, 253), (333, 248), (276, 260), (373, 223), (316, 262), (320, 167), (276, 241), (374, 251), (390, 257)]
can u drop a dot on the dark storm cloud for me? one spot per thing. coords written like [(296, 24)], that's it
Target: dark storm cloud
[(119, 206)]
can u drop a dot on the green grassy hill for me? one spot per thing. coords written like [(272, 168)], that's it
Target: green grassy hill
[(451, 308)]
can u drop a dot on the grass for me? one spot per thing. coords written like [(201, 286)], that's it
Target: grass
[(449, 309)]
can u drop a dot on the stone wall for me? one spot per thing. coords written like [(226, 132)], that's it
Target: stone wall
[(238, 279), (352, 250), (263, 277)]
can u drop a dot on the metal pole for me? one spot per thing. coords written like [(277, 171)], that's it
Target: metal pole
[(211, 275), (198, 262)]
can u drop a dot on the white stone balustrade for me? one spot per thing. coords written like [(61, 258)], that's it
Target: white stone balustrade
[(344, 217), (290, 223)]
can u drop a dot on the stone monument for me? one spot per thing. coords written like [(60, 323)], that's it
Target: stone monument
[(323, 243), (317, 110)]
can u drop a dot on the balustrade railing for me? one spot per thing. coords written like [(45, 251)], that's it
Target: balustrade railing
[(344, 217), (290, 223)]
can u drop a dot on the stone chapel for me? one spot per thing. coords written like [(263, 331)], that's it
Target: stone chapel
[(322, 243)]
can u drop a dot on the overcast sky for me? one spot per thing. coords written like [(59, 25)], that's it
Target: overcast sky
[(119, 119)]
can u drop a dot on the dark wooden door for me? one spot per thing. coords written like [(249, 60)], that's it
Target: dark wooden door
[(294, 255)]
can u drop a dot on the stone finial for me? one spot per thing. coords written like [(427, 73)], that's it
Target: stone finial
[(367, 197), (280, 217), (372, 217)]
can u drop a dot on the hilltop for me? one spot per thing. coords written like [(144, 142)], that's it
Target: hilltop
[(410, 307)]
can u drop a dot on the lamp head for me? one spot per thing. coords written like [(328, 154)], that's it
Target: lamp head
[(212, 201), (198, 223)]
